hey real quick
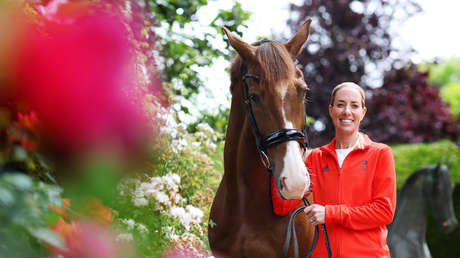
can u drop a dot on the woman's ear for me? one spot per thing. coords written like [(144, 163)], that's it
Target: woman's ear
[(364, 112)]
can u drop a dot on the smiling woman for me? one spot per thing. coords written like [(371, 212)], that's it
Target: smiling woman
[(354, 185), (347, 110)]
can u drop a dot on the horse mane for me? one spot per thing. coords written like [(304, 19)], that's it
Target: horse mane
[(273, 59)]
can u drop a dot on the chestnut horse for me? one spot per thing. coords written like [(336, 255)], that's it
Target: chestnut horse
[(267, 103)]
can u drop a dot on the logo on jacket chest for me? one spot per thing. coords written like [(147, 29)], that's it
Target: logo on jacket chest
[(363, 165), (325, 168)]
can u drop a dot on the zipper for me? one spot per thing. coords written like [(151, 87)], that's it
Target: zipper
[(340, 202), (339, 194)]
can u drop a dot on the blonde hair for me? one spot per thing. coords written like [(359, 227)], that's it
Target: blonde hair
[(345, 84)]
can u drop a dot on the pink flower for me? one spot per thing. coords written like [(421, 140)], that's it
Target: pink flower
[(86, 240), (80, 79)]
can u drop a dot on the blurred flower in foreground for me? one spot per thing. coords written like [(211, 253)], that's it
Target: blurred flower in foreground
[(25, 130), (76, 71), (86, 239)]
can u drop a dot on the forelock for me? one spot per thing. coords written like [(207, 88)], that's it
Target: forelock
[(275, 62)]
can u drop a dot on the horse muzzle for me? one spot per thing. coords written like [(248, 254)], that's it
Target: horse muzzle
[(293, 180)]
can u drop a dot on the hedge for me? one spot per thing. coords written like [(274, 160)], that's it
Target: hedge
[(411, 157)]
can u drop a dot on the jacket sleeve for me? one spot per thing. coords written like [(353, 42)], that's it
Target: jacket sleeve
[(380, 210)]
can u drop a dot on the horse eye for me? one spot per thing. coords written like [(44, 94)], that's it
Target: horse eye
[(304, 95), (255, 98)]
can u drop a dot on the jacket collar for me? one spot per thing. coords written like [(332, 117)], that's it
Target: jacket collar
[(330, 148)]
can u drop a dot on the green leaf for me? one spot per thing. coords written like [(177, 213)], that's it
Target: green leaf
[(6, 198), (48, 236), (19, 181), (20, 154)]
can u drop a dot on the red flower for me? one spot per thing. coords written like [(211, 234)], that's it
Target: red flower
[(79, 77), (85, 240)]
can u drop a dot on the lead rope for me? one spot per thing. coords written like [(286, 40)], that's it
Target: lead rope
[(291, 232)]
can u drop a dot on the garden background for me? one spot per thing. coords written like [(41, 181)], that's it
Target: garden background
[(108, 150)]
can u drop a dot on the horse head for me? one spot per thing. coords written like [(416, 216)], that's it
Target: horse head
[(438, 191), (273, 91)]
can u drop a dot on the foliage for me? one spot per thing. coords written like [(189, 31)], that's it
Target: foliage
[(218, 120), (411, 157), (446, 75), (166, 204), (181, 50), (407, 109), (444, 72), (349, 41), (440, 244), (24, 214), (451, 93)]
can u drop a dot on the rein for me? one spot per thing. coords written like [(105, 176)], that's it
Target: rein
[(291, 233)]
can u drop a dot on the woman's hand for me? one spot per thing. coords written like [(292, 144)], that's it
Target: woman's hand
[(315, 214)]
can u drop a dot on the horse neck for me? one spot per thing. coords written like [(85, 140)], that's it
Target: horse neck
[(411, 210), (246, 179)]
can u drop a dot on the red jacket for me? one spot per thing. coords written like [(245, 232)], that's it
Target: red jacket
[(360, 199)]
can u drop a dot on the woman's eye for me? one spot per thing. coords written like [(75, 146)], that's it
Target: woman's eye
[(340, 105)]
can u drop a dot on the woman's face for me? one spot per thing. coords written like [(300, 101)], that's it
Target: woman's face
[(347, 110)]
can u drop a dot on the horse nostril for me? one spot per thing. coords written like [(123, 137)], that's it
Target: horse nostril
[(283, 182)]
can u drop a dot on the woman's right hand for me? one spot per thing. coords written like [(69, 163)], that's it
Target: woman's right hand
[(316, 214)]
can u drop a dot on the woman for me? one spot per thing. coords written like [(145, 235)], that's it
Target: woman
[(354, 184)]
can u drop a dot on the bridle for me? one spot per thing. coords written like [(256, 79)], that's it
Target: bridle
[(263, 143)]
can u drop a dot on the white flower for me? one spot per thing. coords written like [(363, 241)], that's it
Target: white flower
[(173, 236), (177, 212), (140, 202), (124, 237), (211, 147), (130, 223), (178, 145), (138, 193), (176, 178), (195, 213), (196, 144), (161, 197), (200, 135), (181, 128), (184, 217), (205, 128), (171, 181), (142, 228)]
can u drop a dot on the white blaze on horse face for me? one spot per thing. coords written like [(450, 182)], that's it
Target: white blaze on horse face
[(294, 176)]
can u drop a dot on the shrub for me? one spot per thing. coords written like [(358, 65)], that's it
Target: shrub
[(25, 217), (166, 204), (451, 93), (411, 157), (410, 109)]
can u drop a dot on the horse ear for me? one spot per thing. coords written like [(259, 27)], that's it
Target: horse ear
[(245, 50), (438, 166), (450, 162), (294, 46)]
